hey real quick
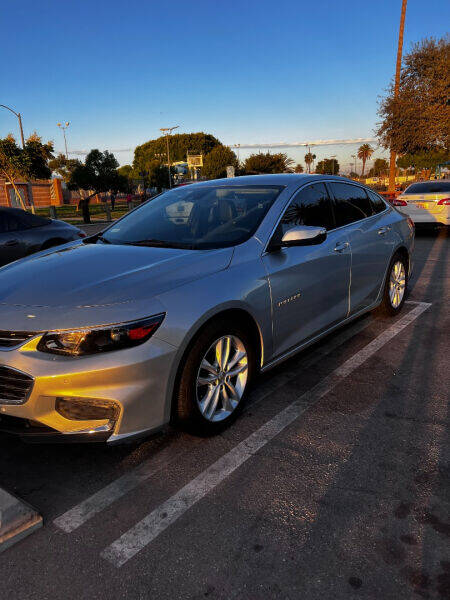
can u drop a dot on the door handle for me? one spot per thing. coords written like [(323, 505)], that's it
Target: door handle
[(12, 243), (384, 230), (341, 246)]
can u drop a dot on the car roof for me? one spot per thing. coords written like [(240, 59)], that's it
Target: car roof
[(272, 179), (12, 210)]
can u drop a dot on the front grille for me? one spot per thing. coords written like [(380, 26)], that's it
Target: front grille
[(15, 386), (8, 339)]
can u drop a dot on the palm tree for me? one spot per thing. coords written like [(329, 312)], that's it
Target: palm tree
[(298, 168), (309, 159), (364, 153)]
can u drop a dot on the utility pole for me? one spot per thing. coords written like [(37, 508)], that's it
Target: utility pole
[(167, 131), (19, 116), (333, 162), (391, 187), (64, 127)]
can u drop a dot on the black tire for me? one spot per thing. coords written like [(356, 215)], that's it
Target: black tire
[(386, 307), (187, 411)]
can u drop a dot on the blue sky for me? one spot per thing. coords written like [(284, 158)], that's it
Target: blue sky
[(248, 71)]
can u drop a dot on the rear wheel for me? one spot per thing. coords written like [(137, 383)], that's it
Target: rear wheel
[(215, 378), (396, 285)]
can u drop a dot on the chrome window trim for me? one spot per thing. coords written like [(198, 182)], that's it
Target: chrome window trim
[(325, 181)]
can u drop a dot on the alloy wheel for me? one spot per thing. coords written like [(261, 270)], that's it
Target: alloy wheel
[(222, 378), (397, 284)]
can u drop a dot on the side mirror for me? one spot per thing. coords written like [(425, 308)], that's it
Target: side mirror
[(304, 235)]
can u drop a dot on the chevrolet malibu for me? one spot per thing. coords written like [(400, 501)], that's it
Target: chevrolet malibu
[(170, 313)]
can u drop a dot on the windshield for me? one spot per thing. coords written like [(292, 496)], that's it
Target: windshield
[(196, 217), (441, 187)]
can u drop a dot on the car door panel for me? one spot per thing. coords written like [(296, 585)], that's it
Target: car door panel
[(309, 284), (371, 240), (310, 289)]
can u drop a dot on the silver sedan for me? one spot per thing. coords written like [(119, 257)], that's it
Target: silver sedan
[(170, 313)]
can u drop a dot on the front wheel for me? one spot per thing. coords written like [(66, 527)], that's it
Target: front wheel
[(215, 378), (396, 285)]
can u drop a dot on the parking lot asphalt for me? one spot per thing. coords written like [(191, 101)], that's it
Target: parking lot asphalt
[(334, 483)]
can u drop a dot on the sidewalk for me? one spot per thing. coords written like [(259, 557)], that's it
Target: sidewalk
[(17, 520)]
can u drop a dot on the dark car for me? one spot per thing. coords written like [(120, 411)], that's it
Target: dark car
[(22, 233)]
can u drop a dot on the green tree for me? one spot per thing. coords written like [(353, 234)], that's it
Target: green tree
[(14, 163), (309, 159), (298, 168), (365, 151), (216, 162), (417, 120), (98, 174), (380, 167), (26, 163), (268, 163), (39, 155), (158, 175), (179, 146), (329, 166), (427, 159), (127, 171), (63, 166)]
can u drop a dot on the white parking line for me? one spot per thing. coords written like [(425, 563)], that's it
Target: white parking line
[(136, 538), (79, 514)]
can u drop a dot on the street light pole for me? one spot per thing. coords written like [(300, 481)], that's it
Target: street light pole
[(64, 127), (398, 67), (167, 131), (19, 116)]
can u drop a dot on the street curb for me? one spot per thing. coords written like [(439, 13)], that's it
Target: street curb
[(17, 519)]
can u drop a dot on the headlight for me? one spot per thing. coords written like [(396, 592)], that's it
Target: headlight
[(81, 342)]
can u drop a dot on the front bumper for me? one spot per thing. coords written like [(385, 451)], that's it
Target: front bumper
[(136, 380)]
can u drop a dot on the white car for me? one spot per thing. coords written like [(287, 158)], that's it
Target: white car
[(426, 202)]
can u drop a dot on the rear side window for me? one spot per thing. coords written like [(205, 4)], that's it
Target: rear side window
[(378, 204), (351, 203), (311, 206), (441, 187), (30, 220)]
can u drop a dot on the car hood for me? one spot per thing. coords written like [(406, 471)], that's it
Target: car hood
[(90, 284)]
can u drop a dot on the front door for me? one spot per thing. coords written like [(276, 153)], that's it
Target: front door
[(309, 284)]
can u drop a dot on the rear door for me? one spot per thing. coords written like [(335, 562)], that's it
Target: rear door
[(309, 284), (371, 238)]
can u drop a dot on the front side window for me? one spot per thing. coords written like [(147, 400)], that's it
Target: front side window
[(29, 220), (196, 217), (311, 206), (377, 202), (351, 203)]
